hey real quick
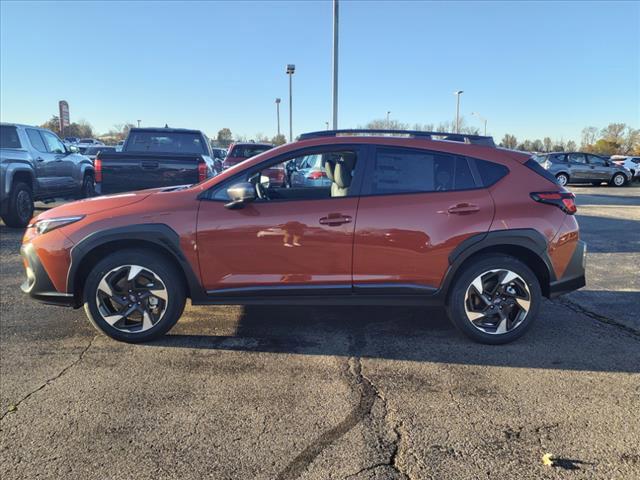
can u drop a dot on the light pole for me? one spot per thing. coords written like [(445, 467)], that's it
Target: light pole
[(278, 114), (327, 124), (388, 113), (457, 93), (139, 123), (335, 64), (290, 71), (482, 119)]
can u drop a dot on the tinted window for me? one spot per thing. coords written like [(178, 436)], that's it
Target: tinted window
[(594, 160), (36, 140), (54, 145), (169, 142), (9, 137), (247, 151), (558, 158), (490, 172), (536, 167), (406, 171), (577, 158)]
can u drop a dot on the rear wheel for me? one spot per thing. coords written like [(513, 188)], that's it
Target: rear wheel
[(134, 296), (562, 179), (20, 208), (618, 180), (495, 299), (88, 188)]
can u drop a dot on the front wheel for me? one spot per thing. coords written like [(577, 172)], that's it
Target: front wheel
[(562, 179), (618, 180), (134, 296), (495, 299), (20, 208)]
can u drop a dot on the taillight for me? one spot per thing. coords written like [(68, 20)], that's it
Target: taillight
[(97, 169), (202, 171), (566, 201), (316, 174)]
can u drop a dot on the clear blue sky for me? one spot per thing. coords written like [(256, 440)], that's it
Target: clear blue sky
[(534, 69)]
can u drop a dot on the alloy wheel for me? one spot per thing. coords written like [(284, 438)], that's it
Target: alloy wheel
[(562, 180), (618, 180), (497, 301), (131, 298), (24, 205)]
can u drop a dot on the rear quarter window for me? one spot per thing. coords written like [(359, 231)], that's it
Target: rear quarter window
[(531, 164), (491, 173), (9, 137)]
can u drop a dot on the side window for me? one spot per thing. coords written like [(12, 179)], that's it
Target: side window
[(594, 160), (490, 172), (9, 137), (558, 158), (36, 140), (577, 158), (54, 145), (304, 177), (413, 171)]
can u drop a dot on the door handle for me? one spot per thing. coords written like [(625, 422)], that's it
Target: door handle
[(463, 209), (39, 159), (335, 219)]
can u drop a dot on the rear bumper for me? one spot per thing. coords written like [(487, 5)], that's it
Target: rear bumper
[(38, 285), (574, 275)]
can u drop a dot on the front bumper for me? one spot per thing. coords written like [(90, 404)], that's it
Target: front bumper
[(38, 284), (574, 275)]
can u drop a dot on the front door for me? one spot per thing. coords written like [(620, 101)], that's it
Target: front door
[(62, 164), (291, 240), (416, 207), (44, 163), (600, 170)]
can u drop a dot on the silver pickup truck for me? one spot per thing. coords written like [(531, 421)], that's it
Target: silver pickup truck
[(36, 165)]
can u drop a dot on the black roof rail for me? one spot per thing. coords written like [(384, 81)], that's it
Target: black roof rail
[(453, 137)]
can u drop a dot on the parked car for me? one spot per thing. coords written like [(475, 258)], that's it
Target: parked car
[(219, 154), (92, 152), (630, 163), (239, 152), (309, 172), (155, 157), (409, 220), (85, 143), (36, 165), (70, 140), (578, 167)]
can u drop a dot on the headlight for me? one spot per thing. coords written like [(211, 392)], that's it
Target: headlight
[(48, 224)]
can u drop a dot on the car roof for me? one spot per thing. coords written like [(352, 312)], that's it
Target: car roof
[(164, 130), (255, 144)]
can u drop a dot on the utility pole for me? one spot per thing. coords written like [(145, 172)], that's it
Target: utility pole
[(335, 63), (278, 114), (388, 122), (457, 93), (139, 123), (290, 71)]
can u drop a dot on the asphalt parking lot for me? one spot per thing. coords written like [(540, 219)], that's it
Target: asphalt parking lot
[(319, 393)]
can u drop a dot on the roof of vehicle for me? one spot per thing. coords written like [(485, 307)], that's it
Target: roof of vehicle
[(256, 144), (164, 130), (22, 125)]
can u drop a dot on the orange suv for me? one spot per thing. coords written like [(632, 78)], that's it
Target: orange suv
[(408, 218)]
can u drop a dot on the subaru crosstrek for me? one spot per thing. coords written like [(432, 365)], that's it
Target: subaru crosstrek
[(408, 218)]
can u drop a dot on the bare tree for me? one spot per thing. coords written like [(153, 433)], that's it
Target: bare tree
[(589, 136), (509, 141)]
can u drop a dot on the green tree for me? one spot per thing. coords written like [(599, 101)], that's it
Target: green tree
[(279, 139), (225, 137)]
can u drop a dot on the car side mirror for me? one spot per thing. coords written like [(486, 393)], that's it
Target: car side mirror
[(240, 194), (72, 149)]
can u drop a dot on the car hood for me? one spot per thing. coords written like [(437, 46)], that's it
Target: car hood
[(96, 204)]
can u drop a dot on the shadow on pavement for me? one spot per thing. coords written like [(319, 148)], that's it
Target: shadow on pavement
[(622, 235), (414, 334)]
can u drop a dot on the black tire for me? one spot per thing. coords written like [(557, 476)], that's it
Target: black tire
[(618, 180), (166, 272), (476, 267), (562, 179), (88, 188), (20, 208)]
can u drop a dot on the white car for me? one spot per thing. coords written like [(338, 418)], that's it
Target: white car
[(85, 143), (630, 163)]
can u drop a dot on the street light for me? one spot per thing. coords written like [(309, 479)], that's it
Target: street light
[(139, 123), (457, 93), (327, 124), (388, 113), (278, 113), (482, 119), (290, 71)]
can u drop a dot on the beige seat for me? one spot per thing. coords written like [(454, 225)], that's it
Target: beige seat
[(340, 173)]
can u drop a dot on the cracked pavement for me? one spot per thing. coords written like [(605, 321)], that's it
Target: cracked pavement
[(337, 393)]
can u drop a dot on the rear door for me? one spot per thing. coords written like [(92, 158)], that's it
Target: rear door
[(44, 162), (416, 207), (580, 170)]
